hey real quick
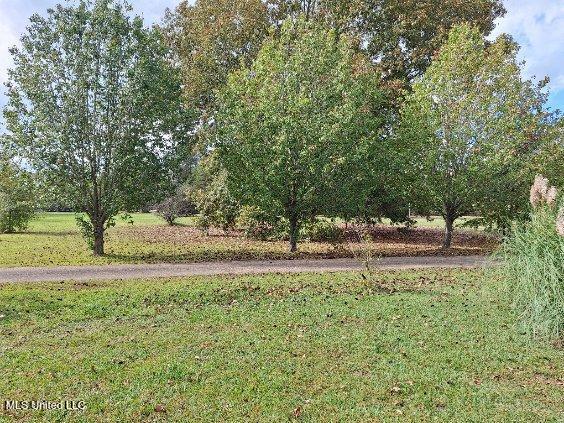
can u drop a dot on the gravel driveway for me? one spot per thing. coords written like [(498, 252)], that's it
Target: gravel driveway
[(136, 271)]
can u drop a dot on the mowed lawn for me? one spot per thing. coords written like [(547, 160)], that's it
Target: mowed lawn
[(404, 346), (53, 239)]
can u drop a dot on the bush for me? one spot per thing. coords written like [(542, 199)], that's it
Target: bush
[(533, 268), (209, 192), (174, 207), (17, 194), (255, 224), (203, 224), (323, 231)]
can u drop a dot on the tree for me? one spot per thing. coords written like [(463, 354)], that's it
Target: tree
[(95, 108), (211, 38), (549, 159), (17, 194), (292, 124), (335, 14), (403, 35), (470, 131)]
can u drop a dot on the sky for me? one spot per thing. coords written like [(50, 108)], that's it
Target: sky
[(538, 25)]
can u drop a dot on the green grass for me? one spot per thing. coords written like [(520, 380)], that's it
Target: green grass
[(434, 221), (53, 239), (411, 346), (65, 222)]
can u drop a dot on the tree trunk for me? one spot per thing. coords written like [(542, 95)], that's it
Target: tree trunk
[(293, 234), (449, 217), (98, 228)]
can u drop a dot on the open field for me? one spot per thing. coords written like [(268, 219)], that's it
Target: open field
[(53, 239), (408, 346)]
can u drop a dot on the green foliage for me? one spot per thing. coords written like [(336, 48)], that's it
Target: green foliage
[(387, 200), (404, 35), (471, 132), (86, 229), (256, 224), (400, 36), (95, 108), (335, 14), (212, 38), (295, 127), (321, 230), (17, 198), (551, 156), (203, 224), (210, 194), (533, 269)]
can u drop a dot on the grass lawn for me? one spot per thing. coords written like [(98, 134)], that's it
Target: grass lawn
[(410, 346), (53, 239)]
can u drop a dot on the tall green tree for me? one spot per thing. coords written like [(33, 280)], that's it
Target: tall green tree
[(335, 14), (471, 131), (207, 189), (95, 108), (212, 38), (404, 35), (307, 112), (401, 36), (551, 158)]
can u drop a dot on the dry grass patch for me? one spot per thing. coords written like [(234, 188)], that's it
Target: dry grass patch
[(53, 240)]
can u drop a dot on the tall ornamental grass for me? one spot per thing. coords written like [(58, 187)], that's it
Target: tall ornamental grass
[(533, 264)]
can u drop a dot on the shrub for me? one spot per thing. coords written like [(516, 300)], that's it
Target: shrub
[(203, 224), (15, 217), (322, 231), (17, 195), (210, 194), (533, 267), (174, 207), (256, 224)]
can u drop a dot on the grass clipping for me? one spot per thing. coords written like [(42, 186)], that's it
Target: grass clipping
[(533, 265)]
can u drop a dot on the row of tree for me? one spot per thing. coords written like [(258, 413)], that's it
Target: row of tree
[(308, 129), (332, 107)]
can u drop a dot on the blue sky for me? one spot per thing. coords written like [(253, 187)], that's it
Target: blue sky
[(538, 25)]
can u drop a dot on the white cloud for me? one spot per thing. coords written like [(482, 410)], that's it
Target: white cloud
[(7, 39), (538, 25)]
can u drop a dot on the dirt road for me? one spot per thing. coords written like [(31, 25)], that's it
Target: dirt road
[(137, 271)]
